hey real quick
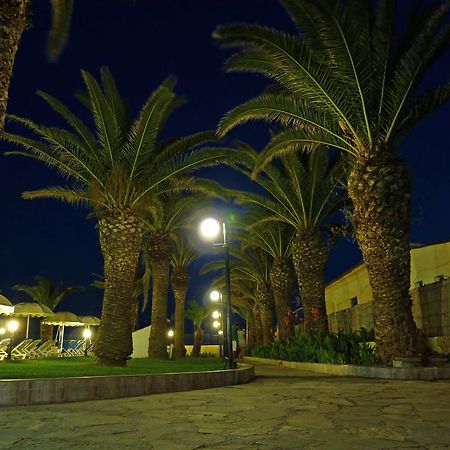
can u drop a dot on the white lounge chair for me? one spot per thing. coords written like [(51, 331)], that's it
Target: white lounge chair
[(18, 352), (46, 349), (4, 343)]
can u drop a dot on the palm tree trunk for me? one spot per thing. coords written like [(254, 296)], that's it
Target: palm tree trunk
[(265, 301), (180, 282), (258, 326), (310, 256), (251, 337), (120, 241), (13, 21), (380, 189), (157, 344), (198, 339), (46, 332), (282, 285)]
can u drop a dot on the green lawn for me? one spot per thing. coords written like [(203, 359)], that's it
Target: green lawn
[(85, 366)]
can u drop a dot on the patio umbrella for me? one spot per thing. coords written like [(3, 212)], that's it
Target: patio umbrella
[(31, 310), (90, 321), (6, 307), (63, 319)]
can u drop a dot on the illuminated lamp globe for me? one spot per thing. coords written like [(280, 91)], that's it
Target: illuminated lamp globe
[(13, 325), (87, 333), (216, 324), (215, 314), (210, 228), (170, 333), (214, 296), (2, 331), (220, 332)]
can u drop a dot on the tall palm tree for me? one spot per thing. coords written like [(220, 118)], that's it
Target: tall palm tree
[(182, 256), (302, 193), (197, 313), (346, 80), (252, 265), (117, 171), (275, 238), (48, 294)]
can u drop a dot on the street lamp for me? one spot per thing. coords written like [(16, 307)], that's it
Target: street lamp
[(210, 230), (87, 334), (12, 327), (215, 314), (170, 334)]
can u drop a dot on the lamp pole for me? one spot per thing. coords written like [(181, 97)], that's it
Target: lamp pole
[(231, 363), (210, 228)]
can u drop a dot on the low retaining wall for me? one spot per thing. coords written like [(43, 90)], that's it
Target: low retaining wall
[(59, 390), (347, 370)]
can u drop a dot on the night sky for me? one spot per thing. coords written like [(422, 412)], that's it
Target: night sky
[(143, 42)]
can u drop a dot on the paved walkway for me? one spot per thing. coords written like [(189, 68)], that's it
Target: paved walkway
[(281, 409)]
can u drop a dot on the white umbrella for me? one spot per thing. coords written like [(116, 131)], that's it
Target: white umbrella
[(90, 321), (6, 307), (63, 319), (31, 310)]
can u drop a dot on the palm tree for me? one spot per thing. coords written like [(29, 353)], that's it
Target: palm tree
[(182, 256), (197, 313), (252, 265), (118, 172), (347, 81), (15, 17), (302, 193), (46, 293), (275, 238)]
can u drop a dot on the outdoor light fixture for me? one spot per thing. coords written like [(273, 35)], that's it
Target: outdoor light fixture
[(87, 334), (210, 229), (220, 332), (170, 333), (215, 296), (216, 324), (215, 314), (13, 326), (2, 331)]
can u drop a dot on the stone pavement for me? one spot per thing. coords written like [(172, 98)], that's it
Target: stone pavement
[(281, 409)]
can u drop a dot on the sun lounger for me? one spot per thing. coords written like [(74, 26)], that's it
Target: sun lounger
[(76, 350), (4, 343), (18, 352), (46, 349), (31, 349)]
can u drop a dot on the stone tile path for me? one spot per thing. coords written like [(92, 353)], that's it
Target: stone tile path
[(282, 409)]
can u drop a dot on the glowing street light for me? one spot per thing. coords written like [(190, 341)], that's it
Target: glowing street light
[(170, 333), (215, 296), (87, 334), (220, 332), (12, 326), (2, 331), (215, 314), (210, 229), (216, 324)]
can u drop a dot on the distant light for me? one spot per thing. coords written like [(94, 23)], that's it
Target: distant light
[(210, 228), (2, 331), (216, 324), (87, 333), (214, 296), (220, 332), (13, 325), (170, 333), (215, 314)]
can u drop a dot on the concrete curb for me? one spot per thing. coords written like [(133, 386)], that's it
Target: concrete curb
[(60, 390), (347, 370)]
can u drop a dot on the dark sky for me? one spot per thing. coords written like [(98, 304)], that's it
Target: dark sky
[(142, 42)]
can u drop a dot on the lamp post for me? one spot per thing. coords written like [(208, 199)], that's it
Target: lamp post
[(87, 334), (170, 335), (210, 229), (216, 297), (12, 326)]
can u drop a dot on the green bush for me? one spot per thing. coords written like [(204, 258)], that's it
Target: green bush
[(310, 346)]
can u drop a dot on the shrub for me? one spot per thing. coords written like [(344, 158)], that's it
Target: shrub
[(312, 346)]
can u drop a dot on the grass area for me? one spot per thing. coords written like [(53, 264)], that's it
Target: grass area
[(86, 366)]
